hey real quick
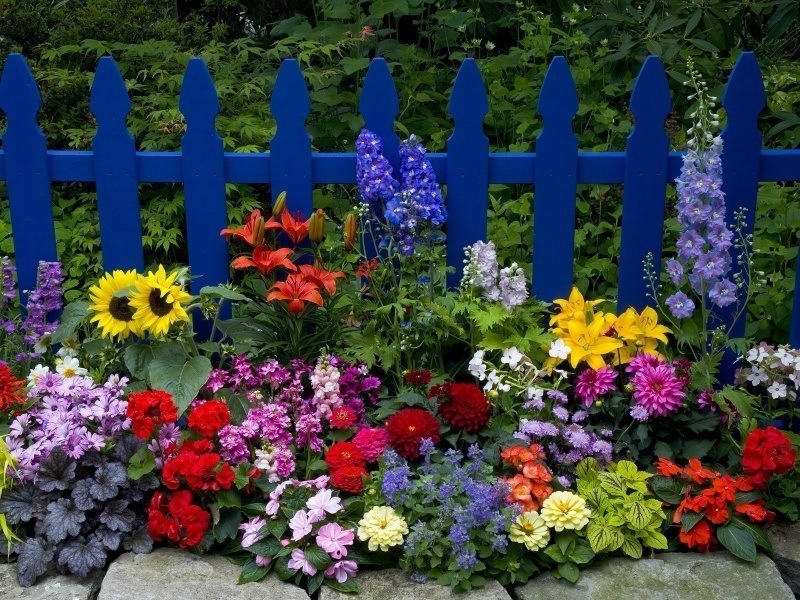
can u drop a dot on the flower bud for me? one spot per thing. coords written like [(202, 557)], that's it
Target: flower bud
[(599, 403), (258, 232), (316, 227), (350, 231), (493, 394), (279, 204)]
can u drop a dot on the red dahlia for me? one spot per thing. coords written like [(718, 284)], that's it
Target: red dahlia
[(465, 406), (10, 388), (345, 454), (407, 428), (767, 452), (418, 377), (349, 478), (209, 417), (176, 519), (147, 410)]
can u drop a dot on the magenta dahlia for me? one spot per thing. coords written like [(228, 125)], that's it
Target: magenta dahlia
[(372, 442), (642, 360), (591, 384), (658, 389)]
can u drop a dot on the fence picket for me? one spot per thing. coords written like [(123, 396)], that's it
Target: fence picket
[(644, 191), (115, 171), (379, 106), (555, 185), (27, 175), (204, 178), (743, 100), (290, 148), (467, 167)]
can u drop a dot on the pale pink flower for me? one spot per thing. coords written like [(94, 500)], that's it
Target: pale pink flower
[(300, 525), (323, 502), (263, 561), (333, 538), (298, 562), (251, 531), (342, 570)]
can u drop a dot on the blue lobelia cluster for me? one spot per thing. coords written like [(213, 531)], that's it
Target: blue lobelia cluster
[(410, 205)]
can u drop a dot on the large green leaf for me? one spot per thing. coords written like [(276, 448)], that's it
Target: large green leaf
[(638, 515), (182, 378), (738, 540), (71, 318)]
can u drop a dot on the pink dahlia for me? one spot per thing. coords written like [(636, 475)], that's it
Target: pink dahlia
[(643, 360), (659, 389), (372, 442), (591, 384)]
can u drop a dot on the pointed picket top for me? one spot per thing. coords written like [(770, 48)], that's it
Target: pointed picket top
[(199, 103), (109, 99), (744, 96), (650, 100), (558, 99), (19, 96), (290, 99), (379, 106), (469, 102)]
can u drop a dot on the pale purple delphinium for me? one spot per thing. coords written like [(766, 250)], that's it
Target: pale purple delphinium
[(45, 300), (482, 272)]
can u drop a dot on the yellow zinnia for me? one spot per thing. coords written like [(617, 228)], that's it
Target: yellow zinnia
[(565, 510), (111, 304), (159, 302), (382, 528), (588, 342), (531, 530)]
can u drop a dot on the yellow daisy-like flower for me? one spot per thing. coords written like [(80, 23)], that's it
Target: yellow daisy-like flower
[(382, 528), (531, 530), (111, 304), (565, 510), (159, 302)]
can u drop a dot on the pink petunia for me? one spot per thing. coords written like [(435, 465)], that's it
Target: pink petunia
[(298, 562), (333, 538)]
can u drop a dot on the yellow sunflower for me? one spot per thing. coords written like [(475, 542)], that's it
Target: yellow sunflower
[(111, 304), (159, 302)]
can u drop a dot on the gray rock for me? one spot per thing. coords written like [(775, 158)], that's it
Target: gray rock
[(393, 584), (785, 540), (179, 575), (674, 576), (51, 586)]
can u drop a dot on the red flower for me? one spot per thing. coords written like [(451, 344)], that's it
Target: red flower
[(407, 428), (176, 519), (717, 512), (296, 291), (701, 536), (667, 468), (10, 389), (147, 410), (755, 511), (321, 278), (697, 472), (266, 260), (349, 478), (252, 232), (366, 267), (209, 417), (767, 452), (292, 225), (466, 407), (197, 467), (343, 417), (345, 454), (418, 377)]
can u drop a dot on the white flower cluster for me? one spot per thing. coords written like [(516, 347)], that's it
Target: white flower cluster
[(482, 271), (517, 374), (775, 369)]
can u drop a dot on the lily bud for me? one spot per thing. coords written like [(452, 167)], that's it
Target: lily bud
[(350, 231), (258, 232), (279, 205), (316, 226)]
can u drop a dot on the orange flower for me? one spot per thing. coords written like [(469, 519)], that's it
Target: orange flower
[(366, 267), (697, 472), (321, 278), (520, 493), (296, 291), (724, 488), (252, 232), (717, 512), (293, 226), (266, 260), (755, 511), (701, 536), (516, 456), (536, 471), (667, 468)]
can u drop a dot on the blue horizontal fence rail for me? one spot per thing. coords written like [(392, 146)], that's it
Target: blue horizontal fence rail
[(467, 168)]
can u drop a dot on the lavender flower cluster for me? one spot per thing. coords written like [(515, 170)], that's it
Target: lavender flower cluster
[(9, 293), (410, 205), (71, 412), (482, 272), (290, 406)]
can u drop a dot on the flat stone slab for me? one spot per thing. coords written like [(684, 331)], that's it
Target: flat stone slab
[(674, 576), (785, 540), (51, 586), (168, 573), (393, 584)]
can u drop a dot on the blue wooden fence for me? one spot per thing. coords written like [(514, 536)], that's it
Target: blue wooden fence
[(555, 169)]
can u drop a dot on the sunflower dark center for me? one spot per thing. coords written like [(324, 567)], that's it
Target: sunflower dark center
[(120, 309), (159, 304)]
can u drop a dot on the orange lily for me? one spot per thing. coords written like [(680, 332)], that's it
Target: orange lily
[(252, 232), (321, 277), (296, 291), (266, 260), (294, 227)]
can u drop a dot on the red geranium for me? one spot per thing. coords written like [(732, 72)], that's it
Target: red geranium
[(345, 454), (10, 388), (176, 519), (407, 429), (466, 407), (149, 409), (209, 417), (767, 452), (343, 417), (419, 377), (349, 478), (198, 467)]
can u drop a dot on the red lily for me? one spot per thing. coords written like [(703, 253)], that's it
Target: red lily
[(251, 232), (294, 227), (321, 277), (296, 290), (266, 260)]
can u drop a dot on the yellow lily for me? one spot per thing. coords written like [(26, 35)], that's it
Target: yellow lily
[(576, 307), (588, 342), (641, 332)]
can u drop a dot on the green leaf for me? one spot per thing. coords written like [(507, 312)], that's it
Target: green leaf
[(252, 572), (696, 448), (170, 371), (667, 489), (632, 547), (690, 519), (603, 538), (221, 291), (137, 359), (350, 585), (318, 557), (654, 539), (352, 65), (142, 463), (71, 318), (228, 525), (581, 554), (613, 484), (757, 533), (738, 540), (569, 571), (228, 499), (277, 527), (638, 515), (315, 582)]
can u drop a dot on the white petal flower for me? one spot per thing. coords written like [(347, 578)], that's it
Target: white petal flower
[(558, 349), (512, 357)]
